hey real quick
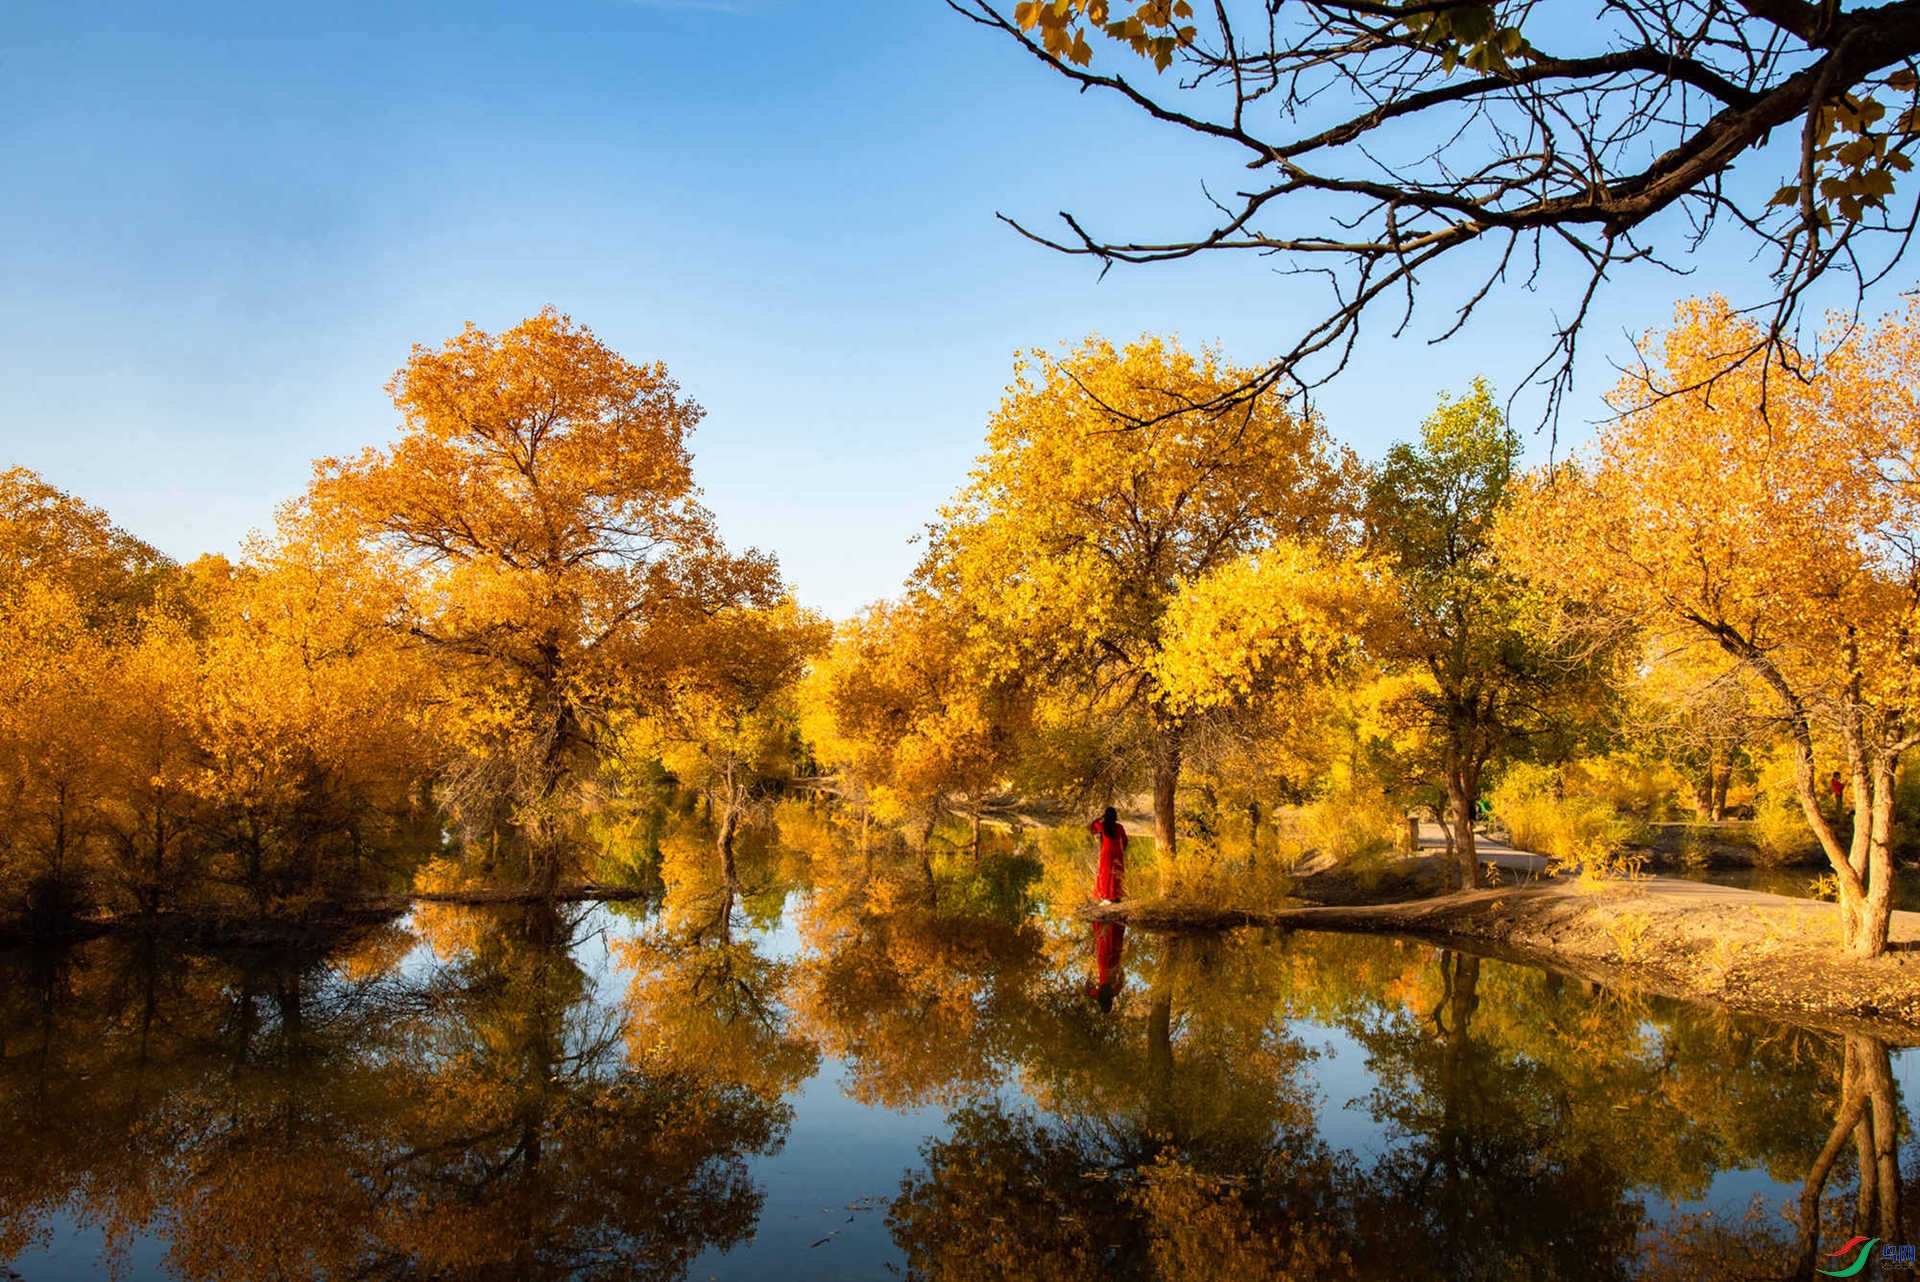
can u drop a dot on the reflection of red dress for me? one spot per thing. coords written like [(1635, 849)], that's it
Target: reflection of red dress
[(1113, 861), (1109, 938)]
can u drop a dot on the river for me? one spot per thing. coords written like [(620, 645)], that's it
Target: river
[(799, 1083)]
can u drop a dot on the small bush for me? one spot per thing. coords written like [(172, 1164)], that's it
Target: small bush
[(1627, 784), (1780, 831), (1629, 934), (1696, 843), (1530, 802), (1353, 819), (1201, 873), (1906, 813)]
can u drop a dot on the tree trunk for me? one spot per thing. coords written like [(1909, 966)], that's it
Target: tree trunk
[(729, 828), (1864, 866), (1160, 1115), (1166, 783), (544, 860), (1876, 917), (723, 842), (60, 828), (1462, 792), (1721, 782)]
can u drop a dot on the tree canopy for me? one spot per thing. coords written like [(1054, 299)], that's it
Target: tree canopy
[(540, 511), (1778, 538), (1077, 533)]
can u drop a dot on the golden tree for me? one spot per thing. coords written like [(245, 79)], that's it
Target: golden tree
[(1774, 525), (540, 503), (53, 760), (310, 715), (1112, 481), (720, 705), (903, 713), (77, 596), (49, 536)]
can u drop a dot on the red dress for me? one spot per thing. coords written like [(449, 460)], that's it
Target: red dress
[(1113, 861)]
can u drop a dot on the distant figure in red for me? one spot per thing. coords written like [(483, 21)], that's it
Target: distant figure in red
[(1113, 855), (1838, 789), (1109, 939)]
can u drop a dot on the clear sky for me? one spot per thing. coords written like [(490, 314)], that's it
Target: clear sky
[(224, 224)]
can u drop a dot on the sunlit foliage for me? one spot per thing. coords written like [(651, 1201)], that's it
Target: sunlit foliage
[(1771, 528), (539, 512), (1103, 495)]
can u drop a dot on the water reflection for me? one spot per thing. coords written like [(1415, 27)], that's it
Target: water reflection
[(1529, 1128), (539, 1092), (482, 1119), (1109, 949)]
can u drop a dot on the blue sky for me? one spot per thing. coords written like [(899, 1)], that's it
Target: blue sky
[(225, 224)]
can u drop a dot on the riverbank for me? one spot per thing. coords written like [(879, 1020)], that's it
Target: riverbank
[(1748, 951)]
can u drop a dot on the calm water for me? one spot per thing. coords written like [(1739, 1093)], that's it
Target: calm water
[(1796, 883), (808, 1084)]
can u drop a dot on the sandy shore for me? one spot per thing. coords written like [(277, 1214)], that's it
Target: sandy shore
[(1747, 951)]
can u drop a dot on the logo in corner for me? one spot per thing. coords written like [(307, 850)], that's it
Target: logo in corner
[(1860, 1261)]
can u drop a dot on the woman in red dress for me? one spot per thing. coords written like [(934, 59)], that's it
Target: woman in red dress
[(1113, 855)]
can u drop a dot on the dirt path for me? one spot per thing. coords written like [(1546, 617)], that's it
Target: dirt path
[(1745, 950)]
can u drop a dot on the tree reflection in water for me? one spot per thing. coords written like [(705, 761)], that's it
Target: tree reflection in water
[(1531, 1128), (480, 1121), (1117, 1106)]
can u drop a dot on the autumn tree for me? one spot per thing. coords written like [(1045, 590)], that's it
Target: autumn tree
[(1488, 679), (540, 503), (1776, 529), (1702, 718), (53, 762), (311, 717), (78, 598), (721, 706), (1261, 655), (49, 536), (1079, 528), (1500, 136), (908, 718)]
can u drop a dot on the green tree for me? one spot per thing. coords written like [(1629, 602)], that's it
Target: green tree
[(1488, 681)]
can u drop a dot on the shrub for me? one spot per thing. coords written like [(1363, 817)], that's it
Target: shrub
[(1541, 817), (1353, 819), (1696, 843), (1203, 873), (1780, 831), (1626, 783)]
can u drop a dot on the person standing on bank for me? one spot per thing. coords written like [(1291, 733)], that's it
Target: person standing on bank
[(1113, 855)]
